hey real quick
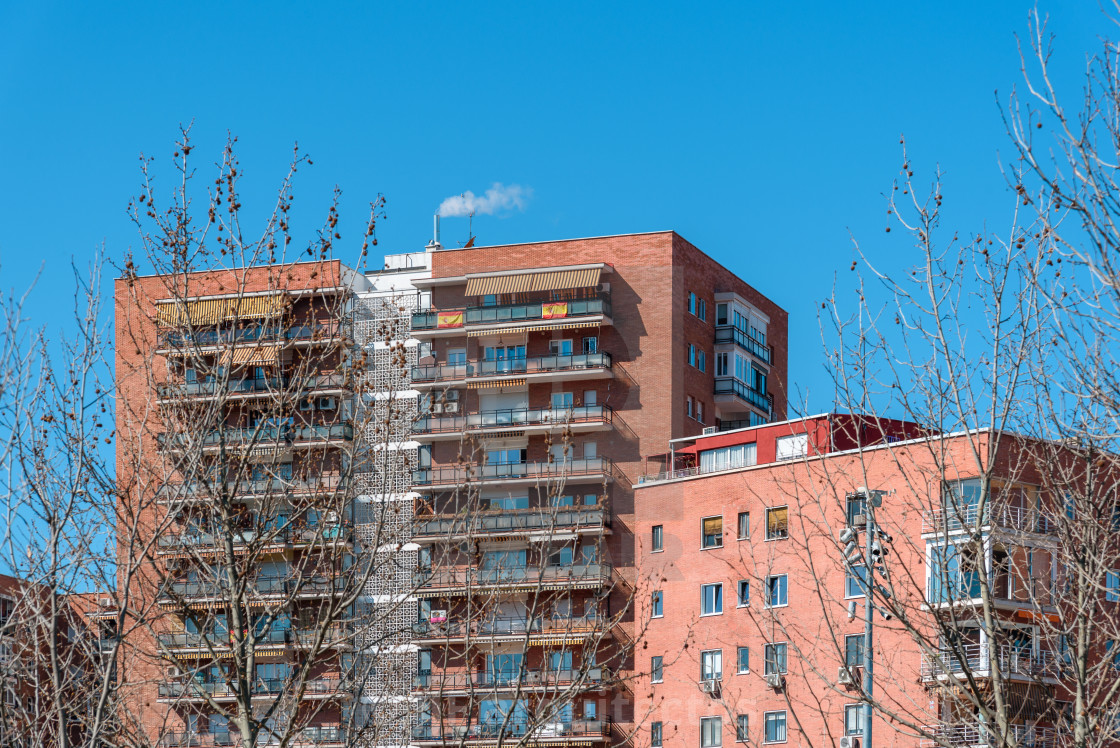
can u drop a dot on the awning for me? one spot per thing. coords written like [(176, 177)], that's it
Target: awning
[(203, 312), (536, 328), (258, 355), (552, 280), (495, 383)]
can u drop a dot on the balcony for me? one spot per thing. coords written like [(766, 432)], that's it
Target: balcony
[(965, 517), (287, 537), (511, 731), (576, 419), (464, 579), (975, 736), (308, 736), (545, 521), (731, 334), (740, 389), (201, 592), (548, 631), (185, 343), (244, 388), (537, 369), (1013, 662), (206, 491), (451, 683), (277, 437), (313, 689), (212, 641), (454, 321), (526, 473)]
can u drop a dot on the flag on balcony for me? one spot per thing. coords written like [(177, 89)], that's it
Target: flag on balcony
[(449, 319), (555, 310)]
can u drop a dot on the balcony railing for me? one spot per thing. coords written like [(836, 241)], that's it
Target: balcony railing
[(1012, 661), (308, 736), (511, 366), (491, 315), (499, 729), (264, 334), (462, 577), (964, 517), (260, 586), (764, 401), (444, 680), (260, 436), (457, 475), (289, 535), (540, 519), (730, 334), (219, 640), (973, 736), (250, 386), (498, 627), (185, 490), (514, 419), (314, 687)]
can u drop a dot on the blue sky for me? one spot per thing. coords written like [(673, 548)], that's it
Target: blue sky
[(765, 133)]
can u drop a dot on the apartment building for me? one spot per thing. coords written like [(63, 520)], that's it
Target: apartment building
[(746, 541), (435, 459)]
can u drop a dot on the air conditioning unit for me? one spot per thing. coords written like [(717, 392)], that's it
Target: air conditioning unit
[(327, 403), (848, 741), (844, 676), (710, 430), (451, 395), (306, 404), (437, 408), (775, 680), (106, 602), (859, 520), (710, 686), (452, 407)]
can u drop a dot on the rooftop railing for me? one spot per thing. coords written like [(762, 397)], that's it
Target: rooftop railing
[(731, 334), (527, 312), (511, 366)]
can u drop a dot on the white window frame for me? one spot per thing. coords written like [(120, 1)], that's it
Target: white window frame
[(769, 602), (718, 586), (718, 734)]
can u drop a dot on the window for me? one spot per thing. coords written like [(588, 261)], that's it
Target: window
[(457, 356), (699, 411), (744, 525), (791, 447), (775, 656), (855, 577), (721, 364), (1113, 653), (711, 664), (590, 450), (954, 574), (691, 303), (658, 540), (853, 719), (776, 590), (727, 458), (702, 360), (744, 593), (853, 650), (1112, 586), (590, 398), (711, 532), (562, 400), (691, 355), (775, 727), (655, 735), (656, 669), (711, 599), (777, 523), (742, 728), (711, 732), (743, 660), (702, 309), (688, 406), (759, 382), (857, 505), (591, 344), (721, 314), (657, 603)]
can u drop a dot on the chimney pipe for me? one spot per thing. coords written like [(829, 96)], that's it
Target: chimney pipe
[(434, 243)]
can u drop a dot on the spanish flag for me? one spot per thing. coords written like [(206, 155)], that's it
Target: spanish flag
[(554, 311), (449, 319)]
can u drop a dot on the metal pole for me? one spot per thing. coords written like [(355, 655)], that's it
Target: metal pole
[(868, 617)]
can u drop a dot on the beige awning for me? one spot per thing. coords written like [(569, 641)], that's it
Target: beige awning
[(258, 355), (174, 312), (534, 328), (551, 280), (492, 383)]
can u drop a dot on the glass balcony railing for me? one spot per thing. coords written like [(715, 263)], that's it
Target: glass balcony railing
[(456, 628), (287, 535), (251, 386), (729, 334), (490, 315), (187, 490), (447, 680), (260, 436), (308, 736), (188, 590), (457, 475), (513, 418), (540, 519), (731, 386), (511, 366), (194, 690), (262, 334), (465, 576), (501, 729)]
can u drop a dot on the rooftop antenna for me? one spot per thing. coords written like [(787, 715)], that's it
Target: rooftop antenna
[(434, 244)]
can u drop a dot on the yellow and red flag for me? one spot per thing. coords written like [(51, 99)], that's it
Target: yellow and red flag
[(449, 319), (554, 311)]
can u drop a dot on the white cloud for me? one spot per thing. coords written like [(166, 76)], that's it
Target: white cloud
[(498, 197)]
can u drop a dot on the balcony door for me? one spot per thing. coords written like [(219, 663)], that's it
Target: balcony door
[(505, 358), (503, 668)]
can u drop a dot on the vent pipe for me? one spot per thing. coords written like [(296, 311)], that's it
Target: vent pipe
[(434, 243)]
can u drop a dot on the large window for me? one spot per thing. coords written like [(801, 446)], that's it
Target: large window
[(656, 669), (776, 590), (711, 599), (711, 732), (658, 540), (777, 523), (655, 735), (853, 719), (792, 447), (711, 664), (728, 458), (775, 656), (775, 727), (954, 574), (711, 532)]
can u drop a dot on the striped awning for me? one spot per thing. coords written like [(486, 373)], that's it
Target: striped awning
[(539, 328), (493, 383), (551, 280), (258, 355), (174, 312)]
